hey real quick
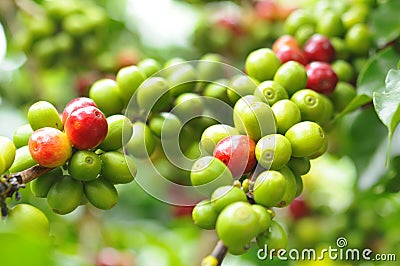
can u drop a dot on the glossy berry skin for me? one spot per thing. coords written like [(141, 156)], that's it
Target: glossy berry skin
[(321, 77), (292, 76), (213, 134), (7, 153), (306, 138), (319, 48), (50, 147), (286, 113), (237, 225), (86, 127), (44, 114), (226, 195), (262, 64), (21, 135), (289, 53), (101, 193), (273, 151), (84, 165), (208, 173), (269, 188), (285, 40), (237, 153), (76, 104), (65, 195), (270, 92), (204, 215)]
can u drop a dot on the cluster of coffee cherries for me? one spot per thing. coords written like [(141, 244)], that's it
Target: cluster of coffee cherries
[(81, 149), (326, 72), (62, 31), (241, 28), (279, 125)]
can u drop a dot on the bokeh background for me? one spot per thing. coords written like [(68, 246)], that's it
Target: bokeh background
[(48, 52)]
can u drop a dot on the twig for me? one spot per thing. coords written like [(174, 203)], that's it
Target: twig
[(11, 183), (217, 255)]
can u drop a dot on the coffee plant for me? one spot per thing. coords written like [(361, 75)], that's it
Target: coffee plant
[(258, 144)]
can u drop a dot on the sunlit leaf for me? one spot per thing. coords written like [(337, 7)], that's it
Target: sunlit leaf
[(385, 22), (372, 76), (387, 103)]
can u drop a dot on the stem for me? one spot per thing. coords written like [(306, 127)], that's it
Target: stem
[(219, 251), (11, 183), (217, 255)]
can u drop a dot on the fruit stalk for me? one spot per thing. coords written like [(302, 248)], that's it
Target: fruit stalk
[(11, 183), (217, 255)]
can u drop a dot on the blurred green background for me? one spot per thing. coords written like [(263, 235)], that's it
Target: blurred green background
[(349, 192)]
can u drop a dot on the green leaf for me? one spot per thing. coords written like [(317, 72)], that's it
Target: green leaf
[(371, 78), (357, 102), (384, 22), (387, 104), (372, 75)]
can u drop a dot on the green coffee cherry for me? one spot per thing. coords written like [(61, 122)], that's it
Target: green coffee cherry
[(26, 218), (165, 125), (237, 225), (275, 237), (292, 76), (306, 138), (149, 66), (7, 153), (240, 86), (264, 218), (310, 103), (273, 151), (210, 67), (117, 167), (65, 195), (40, 186), (209, 173), (129, 79), (343, 94), (218, 90), (23, 160), (262, 64), (287, 114), (213, 134), (359, 39), (204, 215), (299, 165), (226, 195), (255, 120), (299, 185), (106, 94), (269, 188), (101, 193), (153, 94), (297, 19), (142, 143), (291, 187), (270, 92), (44, 114), (188, 106), (119, 128), (84, 165), (21, 135), (182, 79)]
